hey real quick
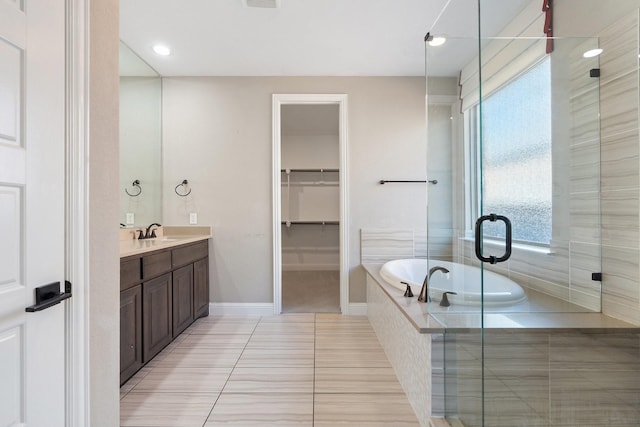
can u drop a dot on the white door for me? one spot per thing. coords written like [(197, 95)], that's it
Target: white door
[(32, 201)]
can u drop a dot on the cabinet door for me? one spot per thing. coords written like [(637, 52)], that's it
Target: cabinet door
[(201, 288), (130, 332), (157, 316), (182, 299)]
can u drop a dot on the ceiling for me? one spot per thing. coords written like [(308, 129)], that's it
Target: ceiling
[(308, 37), (132, 65)]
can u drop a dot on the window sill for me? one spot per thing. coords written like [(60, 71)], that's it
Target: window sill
[(543, 250)]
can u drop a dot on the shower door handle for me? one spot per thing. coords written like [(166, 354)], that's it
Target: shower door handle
[(507, 252)]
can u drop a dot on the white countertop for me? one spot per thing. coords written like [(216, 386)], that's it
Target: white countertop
[(168, 236)]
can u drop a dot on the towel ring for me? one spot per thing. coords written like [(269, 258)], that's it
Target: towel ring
[(135, 183), (182, 184)]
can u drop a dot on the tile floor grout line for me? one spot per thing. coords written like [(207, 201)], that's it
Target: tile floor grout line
[(343, 326), (232, 369), (313, 389)]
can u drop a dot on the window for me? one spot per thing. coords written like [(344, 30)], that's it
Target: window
[(516, 155)]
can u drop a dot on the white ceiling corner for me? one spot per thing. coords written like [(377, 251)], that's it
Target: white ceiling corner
[(304, 37)]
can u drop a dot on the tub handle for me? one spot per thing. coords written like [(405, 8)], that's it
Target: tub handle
[(408, 292), (507, 252), (444, 301)]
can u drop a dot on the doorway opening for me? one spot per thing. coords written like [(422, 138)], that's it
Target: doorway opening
[(309, 203)]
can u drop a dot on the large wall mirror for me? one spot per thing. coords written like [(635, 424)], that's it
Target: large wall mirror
[(140, 141)]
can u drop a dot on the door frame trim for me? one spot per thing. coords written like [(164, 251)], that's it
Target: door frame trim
[(77, 394), (311, 99)]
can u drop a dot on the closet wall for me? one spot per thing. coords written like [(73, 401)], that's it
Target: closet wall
[(310, 188)]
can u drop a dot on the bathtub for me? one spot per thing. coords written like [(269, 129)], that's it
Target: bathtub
[(463, 279)]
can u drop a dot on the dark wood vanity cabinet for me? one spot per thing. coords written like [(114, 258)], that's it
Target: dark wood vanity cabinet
[(161, 294), (201, 288), (130, 332), (157, 326), (182, 299)]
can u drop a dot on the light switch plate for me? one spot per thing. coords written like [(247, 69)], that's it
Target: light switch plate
[(193, 218), (130, 218)]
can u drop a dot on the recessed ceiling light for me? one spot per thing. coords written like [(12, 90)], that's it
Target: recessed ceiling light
[(592, 53), (162, 50), (437, 41)]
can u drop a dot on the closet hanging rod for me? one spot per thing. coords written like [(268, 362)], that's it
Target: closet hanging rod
[(431, 181), (310, 170), (310, 223), (309, 183)]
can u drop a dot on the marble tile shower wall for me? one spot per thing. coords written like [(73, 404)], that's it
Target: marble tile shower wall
[(540, 271), (603, 221), (540, 379), (620, 169), (603, 210), (574, 254)]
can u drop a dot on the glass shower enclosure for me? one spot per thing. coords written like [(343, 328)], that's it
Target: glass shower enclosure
[(514, 214)]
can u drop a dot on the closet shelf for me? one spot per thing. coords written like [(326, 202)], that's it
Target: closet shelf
[(311, 183), (310, 222), (309, 170)]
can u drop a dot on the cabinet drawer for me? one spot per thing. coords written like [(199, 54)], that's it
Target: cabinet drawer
[(188, 254), (130, 273), (156, 264)]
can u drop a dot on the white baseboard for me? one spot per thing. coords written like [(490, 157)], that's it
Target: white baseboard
[(266, 309), (357, 309), (241, 308)]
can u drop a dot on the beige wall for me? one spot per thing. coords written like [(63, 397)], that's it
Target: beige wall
[(104, 292), (217, 134)]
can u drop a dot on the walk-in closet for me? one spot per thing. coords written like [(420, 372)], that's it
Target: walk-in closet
[(310, 210)]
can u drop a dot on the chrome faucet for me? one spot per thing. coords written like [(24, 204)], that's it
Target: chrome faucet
[(424, 292)]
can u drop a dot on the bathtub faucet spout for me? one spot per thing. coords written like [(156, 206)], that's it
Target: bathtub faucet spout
[(424, 292)]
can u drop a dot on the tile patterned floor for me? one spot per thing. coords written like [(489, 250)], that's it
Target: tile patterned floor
[(290, 370)]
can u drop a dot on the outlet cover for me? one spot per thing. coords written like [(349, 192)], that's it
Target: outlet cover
[(193, 218), (130, 218)]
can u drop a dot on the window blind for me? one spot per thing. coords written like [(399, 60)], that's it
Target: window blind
[(520, 45)]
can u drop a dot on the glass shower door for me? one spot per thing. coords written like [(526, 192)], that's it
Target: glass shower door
[(516, 211), (456, 368), (539, 166)]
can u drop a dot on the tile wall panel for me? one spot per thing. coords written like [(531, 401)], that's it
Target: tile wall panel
[(620, 106), (584, 211), (585, 260), (382, 245), (619, 162), (584, 155), (620, 221), (618, 43), (407, 350), (541, 379), (437, 243)]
